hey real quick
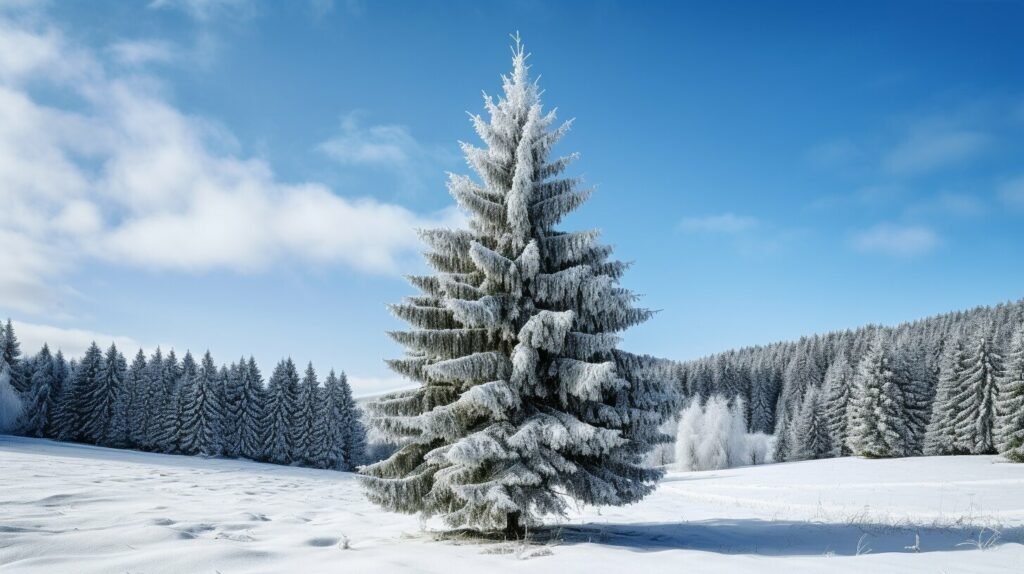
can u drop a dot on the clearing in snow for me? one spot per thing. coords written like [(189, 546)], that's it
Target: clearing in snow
[(75, 508)]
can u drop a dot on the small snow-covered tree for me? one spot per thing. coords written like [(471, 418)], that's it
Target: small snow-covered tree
[(10, 354), (352, 420), (940, 436), (525, 402), (10, 402), (713, 435), (1010, 408), (252, 430), (37, 413), (782, 447), (813, 439), (281, 404), (877, 426), (200, 425), (975, 399), (838, 385)]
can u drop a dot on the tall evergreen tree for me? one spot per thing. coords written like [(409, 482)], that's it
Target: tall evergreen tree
[(940, 436), (37, 409), (838, 386), (354, 433), (139, 389), (281, 404), (525, 403), (252, 431), (201, 416), (329, 434), (10, 354), (813, 439), (303, 450), (58, 394), (232, 409), (918, 391), (89, 402), (975, 400), (1010, 408), (169, 424), (112, 385), (877, 426)]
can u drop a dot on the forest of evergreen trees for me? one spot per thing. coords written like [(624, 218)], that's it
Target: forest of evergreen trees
[(950, 384), (163, 404)]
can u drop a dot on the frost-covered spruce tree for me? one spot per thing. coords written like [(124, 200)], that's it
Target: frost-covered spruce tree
[(330, 432), (940, 436), (975, 401), (37, 413), (1010, 408), (231, 405), (352, 419), (525, 403), (10, 354), (112, 380), (11, 406), (138, 396), (877, 426), (200, 424), (813, 440), (837, 390), (281, 404), (91, 401), (60, 385), (918, 390), (252, 430), (304, 418)]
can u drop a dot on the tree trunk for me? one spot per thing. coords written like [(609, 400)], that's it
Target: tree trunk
[(513, 529)]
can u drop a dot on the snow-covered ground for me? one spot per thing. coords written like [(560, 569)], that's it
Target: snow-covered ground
[(72, 508)]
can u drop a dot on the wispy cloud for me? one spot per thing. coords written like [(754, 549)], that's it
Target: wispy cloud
[(931, 146), (388, 147), (206, 10), (72, 342), (142, 52), (898, 240), (1011, 192), (961, 205), (727, 223)]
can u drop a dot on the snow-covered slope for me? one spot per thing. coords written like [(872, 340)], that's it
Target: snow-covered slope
[(71, 508)]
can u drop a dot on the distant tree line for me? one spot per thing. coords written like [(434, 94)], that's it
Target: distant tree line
[(950, 384), (163, 404)]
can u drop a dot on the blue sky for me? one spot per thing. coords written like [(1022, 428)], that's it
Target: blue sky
[(245, 176)]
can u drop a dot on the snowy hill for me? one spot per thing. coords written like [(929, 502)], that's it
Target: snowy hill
[(67, 507)]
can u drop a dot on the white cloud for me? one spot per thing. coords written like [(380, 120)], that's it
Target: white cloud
[(128, 178), (366, 388), (897, 240), (930, 148), (205, 10), (725, 223), (949, 203), (386, 147), (142, 52), (73, 342), (1011, 192)]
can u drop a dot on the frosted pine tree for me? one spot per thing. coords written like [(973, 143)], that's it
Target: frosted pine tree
[(354, 433), (37, 408), (281, 404), (877, 426), (813, 440), (304, 418), (837, 390), (90, 403), (251, 431), (138, 385), (975, 401), (10, 355), (234, 391), (200, 423), (940, 436), (524, 401), (918, 391), (112, 382), (1010, 408), (58, 395)]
